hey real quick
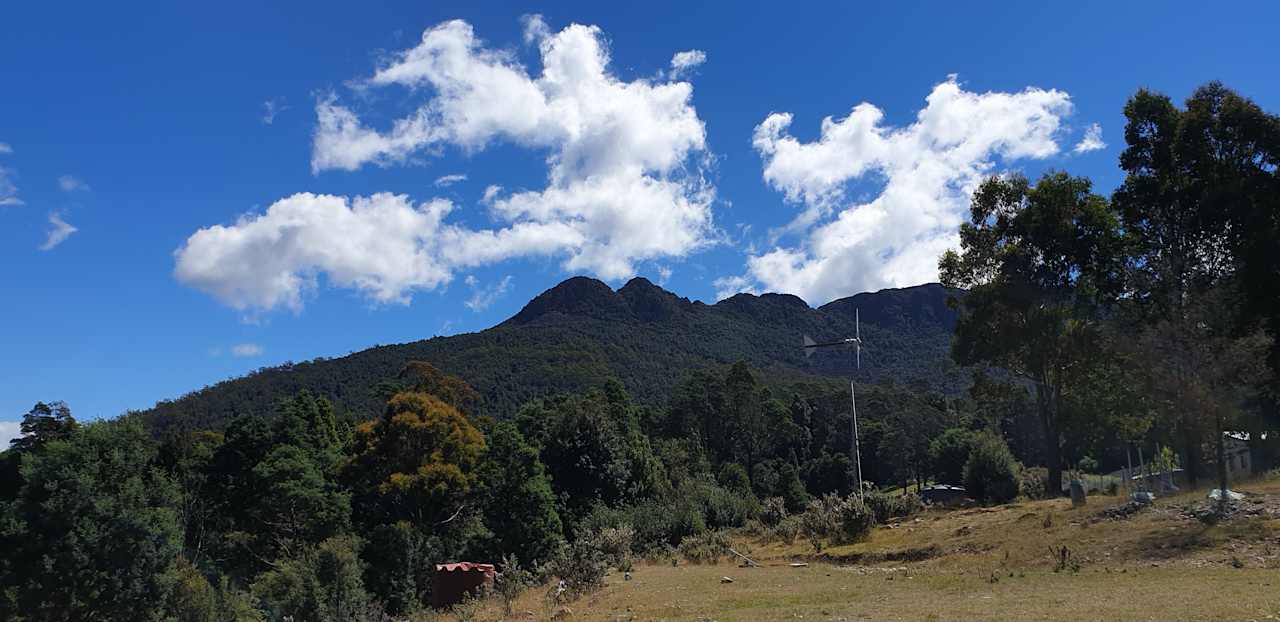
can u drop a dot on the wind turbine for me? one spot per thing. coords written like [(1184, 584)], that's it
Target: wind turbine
[(856, 342)]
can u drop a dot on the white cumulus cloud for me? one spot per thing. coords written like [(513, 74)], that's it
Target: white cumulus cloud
[(484, 297), (684, 62), (246, 350), (625, 177), (59, 231), (1092, 140), (924, 175)]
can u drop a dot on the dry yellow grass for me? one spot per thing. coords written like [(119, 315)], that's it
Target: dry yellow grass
[(978, 564)]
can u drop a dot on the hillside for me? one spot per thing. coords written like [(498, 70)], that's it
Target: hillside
[(581, 332)]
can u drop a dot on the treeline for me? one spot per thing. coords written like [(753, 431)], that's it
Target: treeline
[(1153, 315), (308, 513)]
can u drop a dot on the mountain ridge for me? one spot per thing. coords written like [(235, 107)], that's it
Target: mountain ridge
[(581, 332)]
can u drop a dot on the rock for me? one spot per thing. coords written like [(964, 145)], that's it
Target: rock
[(726, 580), (1078, 497)]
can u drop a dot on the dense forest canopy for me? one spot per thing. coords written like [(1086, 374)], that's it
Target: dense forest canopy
[(597, 424), (580, 333)]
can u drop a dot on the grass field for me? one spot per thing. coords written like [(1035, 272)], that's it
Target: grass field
[(978, 564)]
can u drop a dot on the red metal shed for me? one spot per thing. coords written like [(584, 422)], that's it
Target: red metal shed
[(453, 582)]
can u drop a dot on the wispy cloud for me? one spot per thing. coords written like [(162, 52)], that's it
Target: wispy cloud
[(59, 231), (68, 183), (271, 108), (245, 350), (484, 297), (1092, 140), (8, 191), (449, 180)]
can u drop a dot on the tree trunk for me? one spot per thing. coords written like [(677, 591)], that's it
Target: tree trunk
[(1052, 447)]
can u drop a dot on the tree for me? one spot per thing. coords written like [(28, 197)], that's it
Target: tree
[(416, 463), (991, 474), (520, 505), (42, 424), (321, 583), (593, 449), (949, 453), (100, 527), (1201, 202), (1041, 265), (1205, 371)]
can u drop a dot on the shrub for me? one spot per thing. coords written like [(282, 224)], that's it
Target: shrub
[(323, 583), (842, 520), (721, 508), (615, 544), (856, 520), (884, 506), (773, 511), (991, 474), (1088, 464), (1031, 481), (705, 548), (581, 565), (787, 529), (511, 581)]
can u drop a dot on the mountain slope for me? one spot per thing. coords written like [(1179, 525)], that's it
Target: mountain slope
[(581, 332)]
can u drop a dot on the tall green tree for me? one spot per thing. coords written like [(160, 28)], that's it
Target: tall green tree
[(1201, 202), (1041, 264), (100, 527), (520, 507)]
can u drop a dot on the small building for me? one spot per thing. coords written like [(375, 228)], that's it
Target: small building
[(454, 582), (944, 495)]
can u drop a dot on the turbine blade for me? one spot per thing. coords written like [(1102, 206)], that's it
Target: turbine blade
[(857, 324), (859, 349)]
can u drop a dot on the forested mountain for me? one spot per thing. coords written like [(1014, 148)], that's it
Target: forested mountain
[(581, 332)]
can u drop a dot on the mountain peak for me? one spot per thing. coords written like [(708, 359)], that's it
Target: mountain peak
[(649, 302), (575, 296)]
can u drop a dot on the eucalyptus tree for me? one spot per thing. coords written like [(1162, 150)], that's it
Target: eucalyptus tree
[(1041, 264)]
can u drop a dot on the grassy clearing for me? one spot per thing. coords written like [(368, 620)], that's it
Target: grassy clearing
[(979, 564)]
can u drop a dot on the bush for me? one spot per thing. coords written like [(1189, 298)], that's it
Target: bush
[(615, 544), (1031, 481), (511, 581), (581, 565), (991, 474), (884, 506), (841, 520), (705, 548), (721, 508), (773, 511), (787, 529), (323, 583), (856, 520)]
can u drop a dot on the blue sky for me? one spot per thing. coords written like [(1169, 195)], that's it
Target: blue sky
[(153, 238)]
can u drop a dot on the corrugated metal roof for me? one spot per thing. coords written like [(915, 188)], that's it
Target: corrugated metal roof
[(465, 567)]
